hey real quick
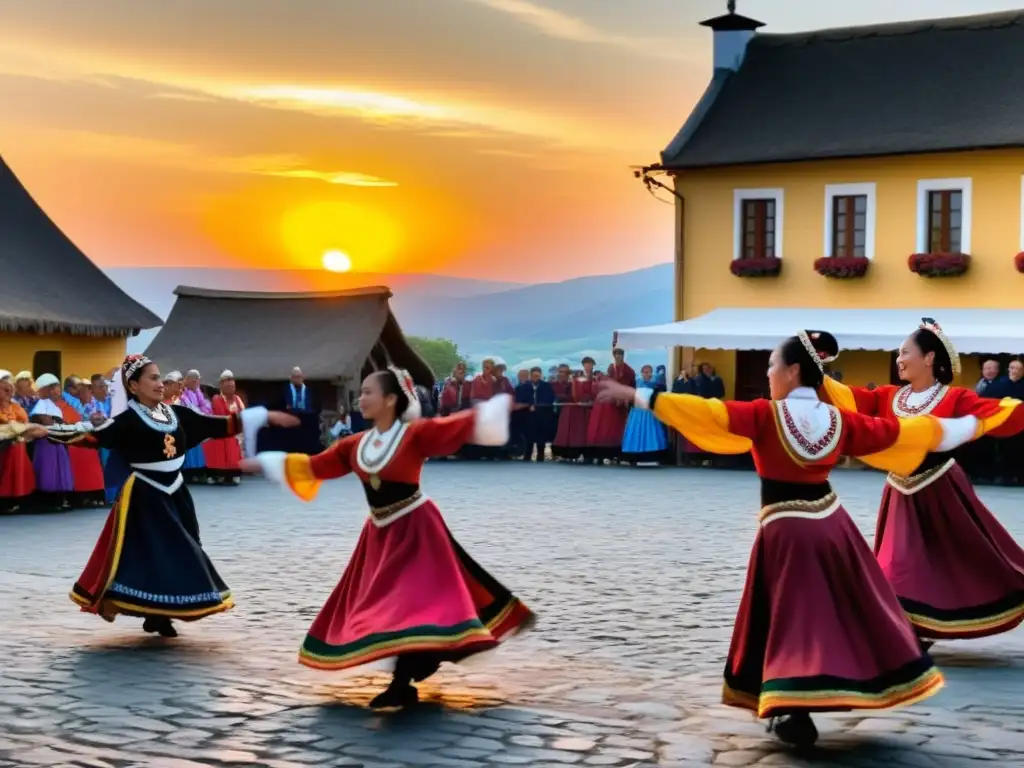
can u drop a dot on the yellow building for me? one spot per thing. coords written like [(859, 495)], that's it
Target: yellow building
[(855, 148), (59, 313)]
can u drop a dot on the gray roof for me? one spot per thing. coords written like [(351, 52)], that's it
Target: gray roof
[(262, 336), (924, 86), (47, 285)]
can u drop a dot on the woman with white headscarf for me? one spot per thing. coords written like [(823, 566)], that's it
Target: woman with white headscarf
[(54, 480)]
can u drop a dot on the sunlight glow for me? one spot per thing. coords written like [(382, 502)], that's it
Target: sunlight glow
[(315, 231), (346, 178), (336, 261)]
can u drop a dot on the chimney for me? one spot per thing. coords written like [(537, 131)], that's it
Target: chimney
[(732, 33)]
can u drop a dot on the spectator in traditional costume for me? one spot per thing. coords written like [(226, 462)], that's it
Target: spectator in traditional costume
[(300, 401), (54, 481), (86, 467), (819, 628), (574, 424), (223, 454), (608, 420), (561, 387), (410, 593), (957, 571), (25, 391), (645, 440), (193, 398), (17, 478), (149, 562)]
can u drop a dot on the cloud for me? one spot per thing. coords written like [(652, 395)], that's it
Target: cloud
[(170, 154), (562, 26)]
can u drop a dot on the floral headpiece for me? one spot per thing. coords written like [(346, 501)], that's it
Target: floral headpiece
[(820, 357), (412, 411), (132, 365), (928, 324)]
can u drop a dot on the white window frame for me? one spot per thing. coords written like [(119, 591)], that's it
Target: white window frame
[(775, 194), (962, 185), (868, 190)]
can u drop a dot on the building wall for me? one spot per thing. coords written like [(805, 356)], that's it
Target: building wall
[(80, 355), (705, 244)]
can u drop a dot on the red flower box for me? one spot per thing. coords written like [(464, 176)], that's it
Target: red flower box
[(1018, 261), (842, 266), (756, 267), (939, 264)]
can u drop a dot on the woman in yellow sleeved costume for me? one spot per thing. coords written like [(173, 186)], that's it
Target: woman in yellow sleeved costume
[(819, 629), (957, 572)]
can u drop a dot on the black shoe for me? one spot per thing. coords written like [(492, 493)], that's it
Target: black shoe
[(797, 729), (404, 695), (159, 625)]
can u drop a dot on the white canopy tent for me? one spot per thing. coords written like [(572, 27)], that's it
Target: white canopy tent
[(979, 330)]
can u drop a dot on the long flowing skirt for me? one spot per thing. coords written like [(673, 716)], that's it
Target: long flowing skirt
[(409, 588), (957, 571), (148, 560), (52, 467), (571, 436), (195, 458), (17, 478), (644, 434), (607, 426), (223, 457), (819, 629), (86, 469)]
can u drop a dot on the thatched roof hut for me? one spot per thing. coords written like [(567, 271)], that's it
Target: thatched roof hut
[(48, 286), (336, 337)]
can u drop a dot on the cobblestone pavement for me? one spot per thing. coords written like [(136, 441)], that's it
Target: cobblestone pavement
[(635, 575)]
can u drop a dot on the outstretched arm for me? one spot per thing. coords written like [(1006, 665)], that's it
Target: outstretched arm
[(900, 446), (996, 418), (485, 424), (303, 474), (712, 425), (199, 427)]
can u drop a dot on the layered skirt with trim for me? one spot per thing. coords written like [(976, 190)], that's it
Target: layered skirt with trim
[(819, 629), (148, 560), (957, 571), (409, 588)]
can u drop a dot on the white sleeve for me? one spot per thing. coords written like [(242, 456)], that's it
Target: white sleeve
[(642, 399), (253, 420), (272, 465), (956, 432), (491, 421)]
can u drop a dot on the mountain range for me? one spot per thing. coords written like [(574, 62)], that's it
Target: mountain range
[(523, 324)]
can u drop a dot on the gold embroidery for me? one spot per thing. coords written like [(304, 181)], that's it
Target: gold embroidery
[(380, 514), (811, 507), (914, 483), (169, 448)]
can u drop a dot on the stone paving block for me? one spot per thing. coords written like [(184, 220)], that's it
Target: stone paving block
[(625, 665)]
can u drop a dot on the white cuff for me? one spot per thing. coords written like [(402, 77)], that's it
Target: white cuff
[(642, 399), (956, 432), (491, 421), (272, 465), (253, 420)]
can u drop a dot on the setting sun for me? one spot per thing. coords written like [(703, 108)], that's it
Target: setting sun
[(337, 235), (336, 261)]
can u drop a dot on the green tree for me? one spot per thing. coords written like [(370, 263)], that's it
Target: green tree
[(442, 355)]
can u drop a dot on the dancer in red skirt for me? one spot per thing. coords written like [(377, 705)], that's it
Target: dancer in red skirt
[(17, 478), (223, 455), (819, 628), (148, 561), (410, 592), (957, 571)]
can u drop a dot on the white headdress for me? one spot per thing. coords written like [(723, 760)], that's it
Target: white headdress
[(414, 410), (226, 375)]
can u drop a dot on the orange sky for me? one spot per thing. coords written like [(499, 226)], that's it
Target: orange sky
[(481, 138)]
